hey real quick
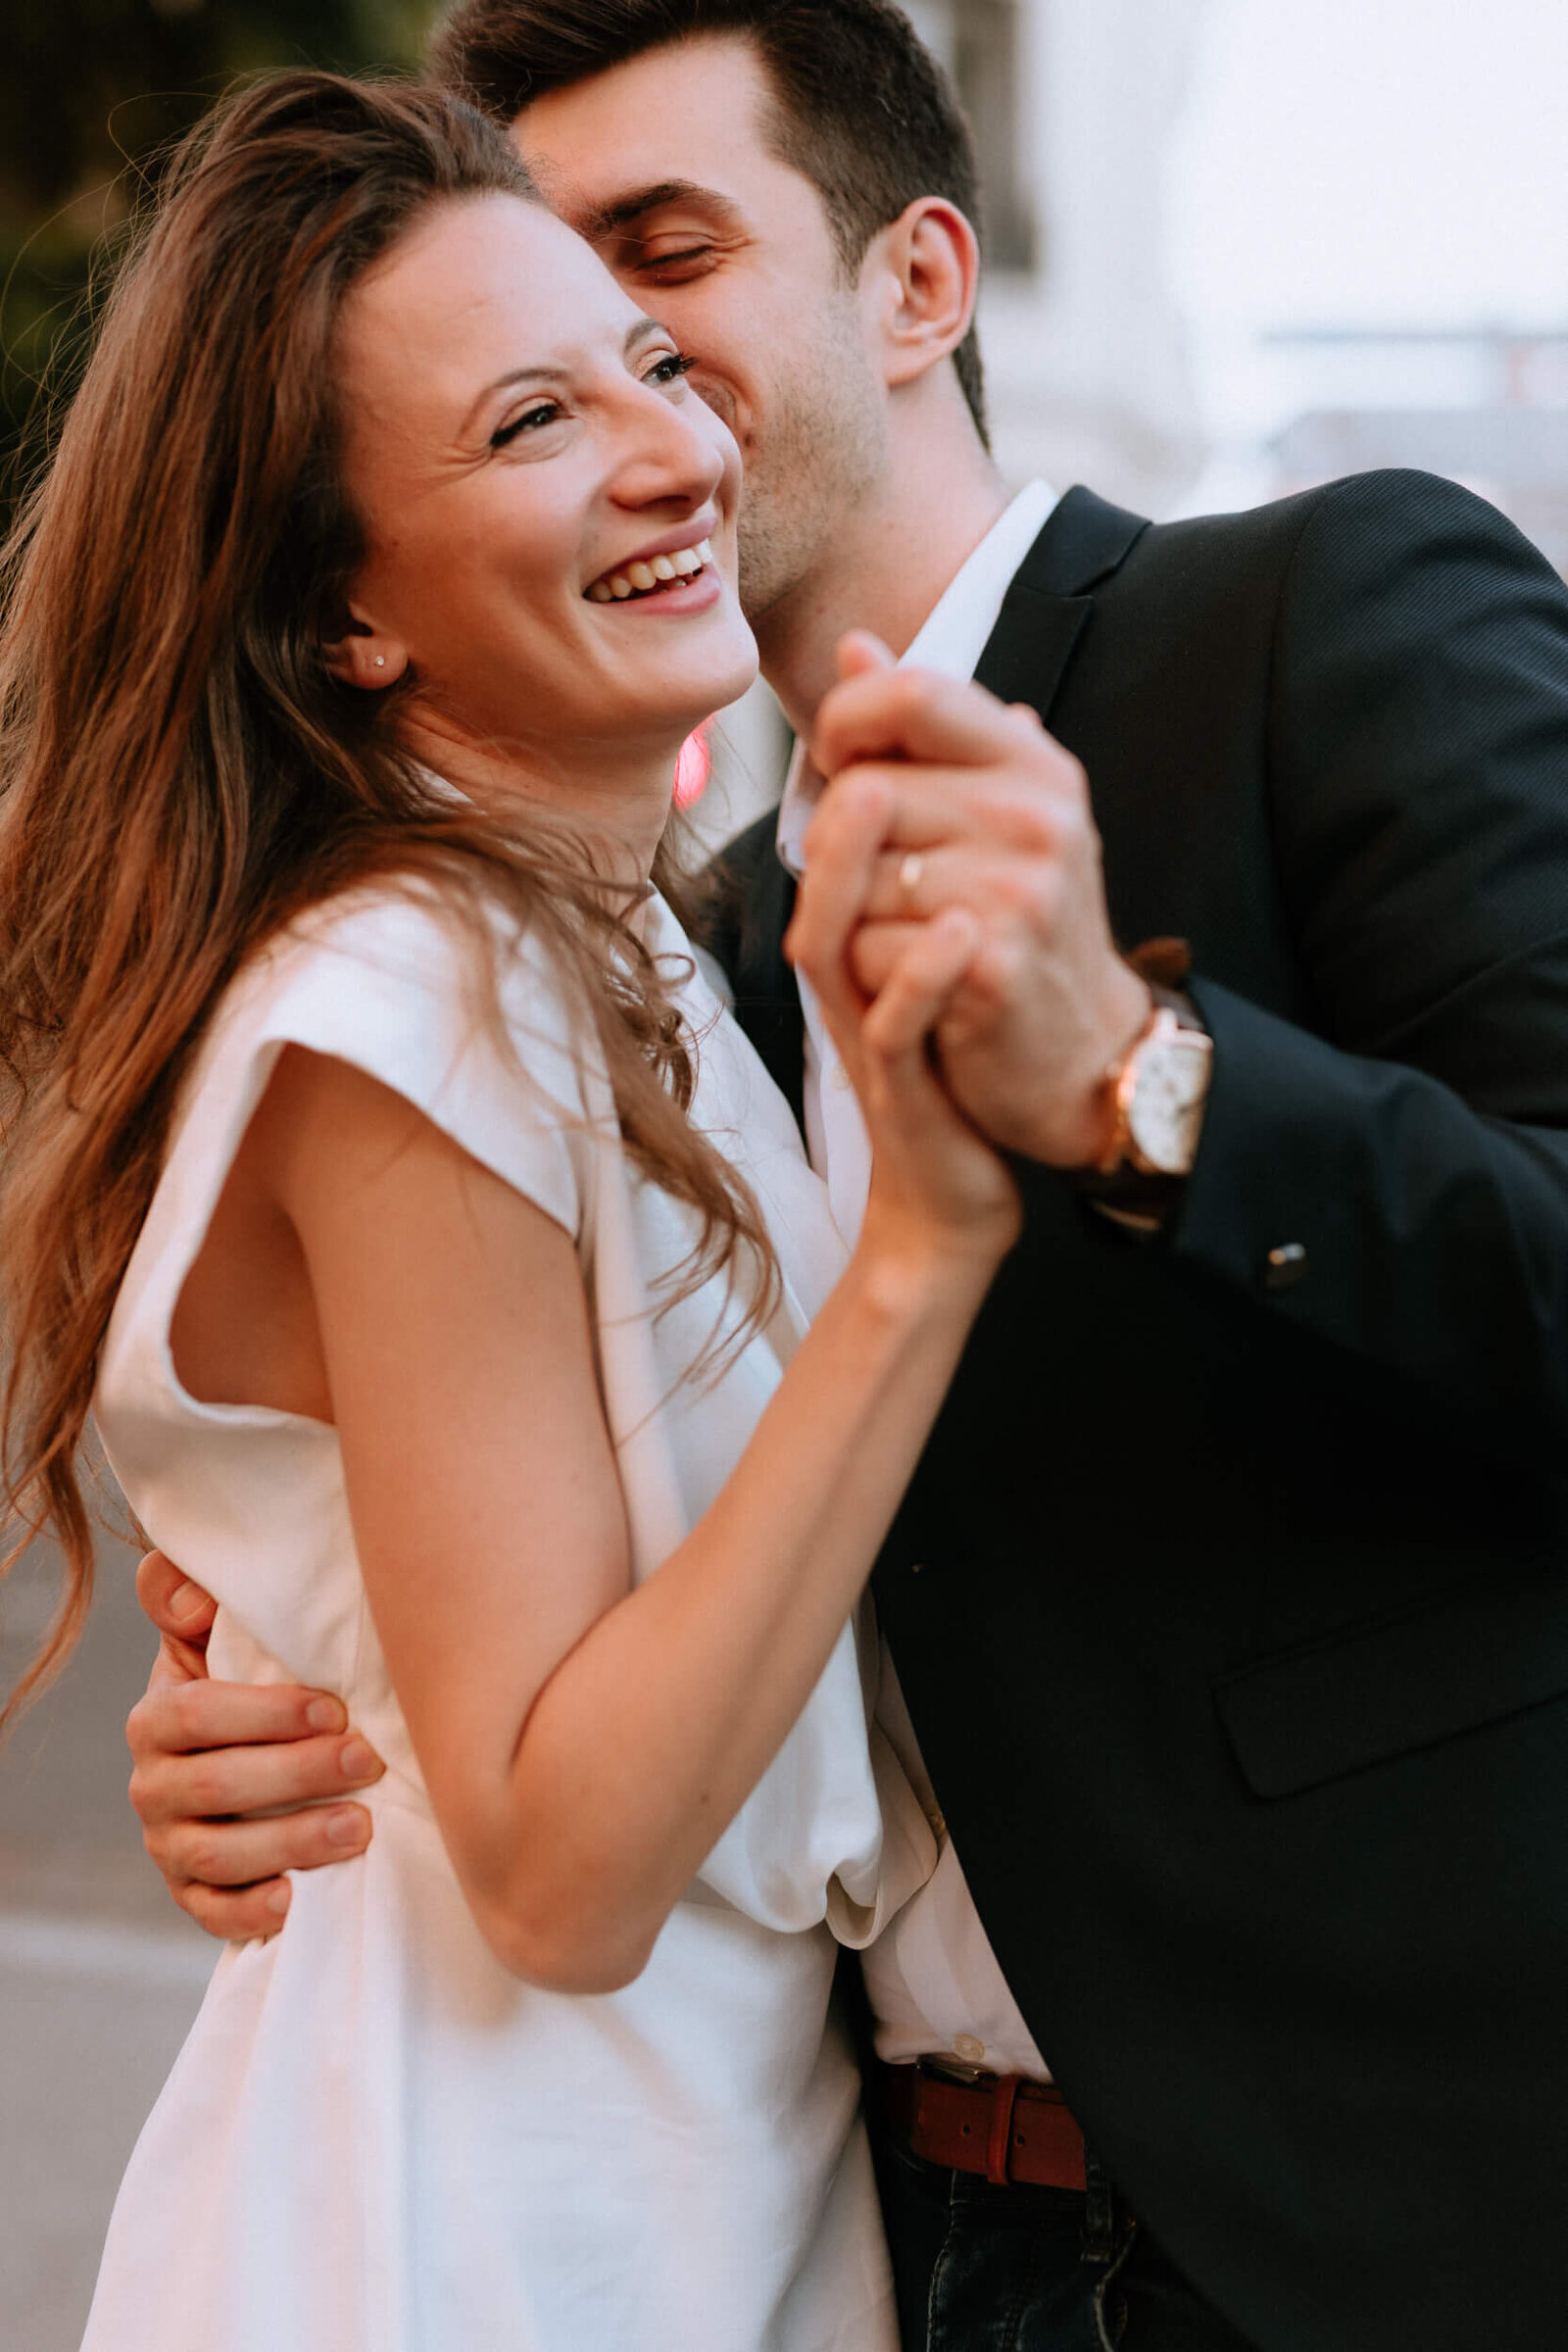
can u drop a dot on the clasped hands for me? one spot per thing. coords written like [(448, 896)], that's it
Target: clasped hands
[(938, 796)]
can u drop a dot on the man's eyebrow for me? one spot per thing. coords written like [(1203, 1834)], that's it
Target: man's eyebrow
[(638, 201)]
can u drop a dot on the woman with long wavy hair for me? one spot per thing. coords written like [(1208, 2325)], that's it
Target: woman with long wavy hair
[(431, 1248)]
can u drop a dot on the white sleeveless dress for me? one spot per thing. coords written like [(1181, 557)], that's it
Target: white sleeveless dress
[(377, 2139)]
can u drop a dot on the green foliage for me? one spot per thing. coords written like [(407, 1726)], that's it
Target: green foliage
[(91, 95)]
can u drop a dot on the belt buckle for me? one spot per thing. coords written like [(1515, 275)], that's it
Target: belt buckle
[(955, 2069)]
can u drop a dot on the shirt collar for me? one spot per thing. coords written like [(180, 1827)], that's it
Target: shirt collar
[(951, 640)]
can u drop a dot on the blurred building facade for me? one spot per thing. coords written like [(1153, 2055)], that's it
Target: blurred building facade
[(1369, 228), (1075, 106), (1484, 406)]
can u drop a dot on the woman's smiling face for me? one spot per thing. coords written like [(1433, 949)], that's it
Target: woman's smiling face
[(549, 511)]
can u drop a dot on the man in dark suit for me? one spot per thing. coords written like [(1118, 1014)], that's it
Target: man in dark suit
[(1228, 1602)]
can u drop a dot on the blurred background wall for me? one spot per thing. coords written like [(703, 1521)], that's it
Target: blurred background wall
[(1237, 246), (1242, 246)]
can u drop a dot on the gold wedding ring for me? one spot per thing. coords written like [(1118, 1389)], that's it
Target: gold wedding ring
[(909, 871)]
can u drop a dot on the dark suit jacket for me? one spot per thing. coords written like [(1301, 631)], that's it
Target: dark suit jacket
[(1233, 1613)]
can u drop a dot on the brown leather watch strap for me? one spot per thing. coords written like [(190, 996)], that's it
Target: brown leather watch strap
[(1000, 2127)]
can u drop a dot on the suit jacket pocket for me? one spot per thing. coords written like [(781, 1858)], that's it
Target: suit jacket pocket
[(1380, 1691)]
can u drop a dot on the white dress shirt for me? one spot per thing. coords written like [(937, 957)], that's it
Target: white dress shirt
[(936, 1989)]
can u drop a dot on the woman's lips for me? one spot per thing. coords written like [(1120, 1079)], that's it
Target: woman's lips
[(682, 596), (651, 576)]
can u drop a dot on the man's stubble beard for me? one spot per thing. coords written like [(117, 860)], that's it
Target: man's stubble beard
[(810, 474)]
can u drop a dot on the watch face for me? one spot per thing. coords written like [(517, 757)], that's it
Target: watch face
[(1165, 1115)]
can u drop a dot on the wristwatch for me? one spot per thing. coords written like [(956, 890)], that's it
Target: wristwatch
[(1156, 1091)]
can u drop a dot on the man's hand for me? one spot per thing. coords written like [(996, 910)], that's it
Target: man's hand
[(208, 1753), (985, 810)]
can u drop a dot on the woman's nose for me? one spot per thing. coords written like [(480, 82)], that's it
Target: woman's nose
[(671, 453)]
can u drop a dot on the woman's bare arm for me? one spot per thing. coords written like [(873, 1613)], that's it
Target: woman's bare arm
[(585, 1742)]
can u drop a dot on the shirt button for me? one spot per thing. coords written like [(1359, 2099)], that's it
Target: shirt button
[(839, 1079), (969, 2049)]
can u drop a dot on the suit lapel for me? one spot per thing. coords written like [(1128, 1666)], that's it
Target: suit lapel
[(1027, 652), (1048, 600)]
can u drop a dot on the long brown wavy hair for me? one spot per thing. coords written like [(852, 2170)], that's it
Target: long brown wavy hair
[(180, 774)]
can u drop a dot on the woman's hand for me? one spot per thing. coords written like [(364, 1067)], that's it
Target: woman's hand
[(935, 1181)]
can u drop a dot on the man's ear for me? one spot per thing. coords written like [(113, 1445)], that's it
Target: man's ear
[(363, 655), (927, 266)]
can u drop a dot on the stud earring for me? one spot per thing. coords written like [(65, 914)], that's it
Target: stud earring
[(381, 660)]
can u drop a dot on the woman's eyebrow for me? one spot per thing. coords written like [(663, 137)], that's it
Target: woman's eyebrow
[(551, 372)]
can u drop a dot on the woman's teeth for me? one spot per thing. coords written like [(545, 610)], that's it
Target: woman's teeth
[(640, 579)]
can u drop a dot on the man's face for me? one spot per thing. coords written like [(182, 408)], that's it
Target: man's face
[(666, 166)]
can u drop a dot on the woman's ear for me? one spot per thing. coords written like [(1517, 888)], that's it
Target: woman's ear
[(929, 265), (363, 655)]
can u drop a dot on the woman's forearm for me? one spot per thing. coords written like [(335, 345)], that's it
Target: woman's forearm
[(646, 1738)]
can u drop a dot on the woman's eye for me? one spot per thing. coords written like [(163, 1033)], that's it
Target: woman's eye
[(670, 369), (530, 420)]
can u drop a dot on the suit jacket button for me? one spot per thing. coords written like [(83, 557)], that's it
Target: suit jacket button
[(1285, 1267)]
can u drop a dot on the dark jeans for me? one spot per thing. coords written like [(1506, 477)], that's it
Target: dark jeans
[(1033, 2270)]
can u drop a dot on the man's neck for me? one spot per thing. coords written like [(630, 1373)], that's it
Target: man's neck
[(888, 569)]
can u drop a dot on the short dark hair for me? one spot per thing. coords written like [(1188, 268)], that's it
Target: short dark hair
[(865, 110)]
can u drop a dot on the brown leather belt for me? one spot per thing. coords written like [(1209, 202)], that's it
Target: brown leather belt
[(999, 2126)]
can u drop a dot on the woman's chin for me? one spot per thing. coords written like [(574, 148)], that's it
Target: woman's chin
[(687, 668), (738, 679), (688, 702)]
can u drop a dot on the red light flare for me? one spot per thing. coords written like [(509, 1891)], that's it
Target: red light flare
[(694, 767)]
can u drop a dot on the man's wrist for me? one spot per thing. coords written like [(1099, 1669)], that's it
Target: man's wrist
[(1154, 1095), (1073, 1129)]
